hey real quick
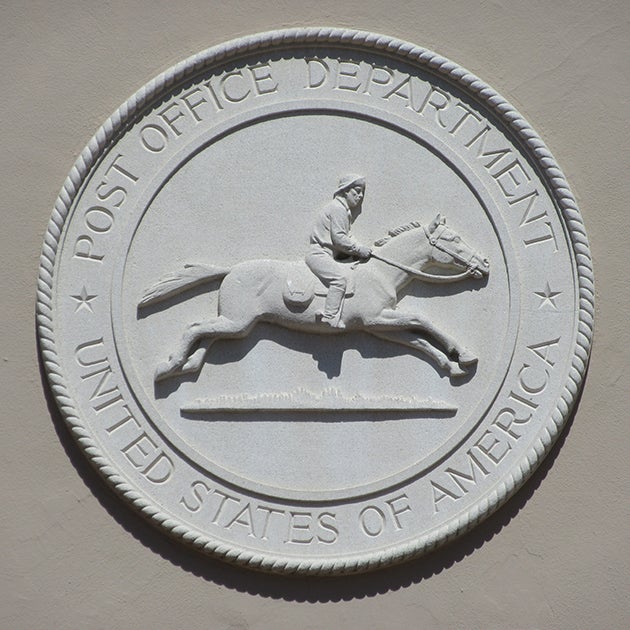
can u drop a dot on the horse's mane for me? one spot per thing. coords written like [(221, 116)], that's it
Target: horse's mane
[(412, 225)]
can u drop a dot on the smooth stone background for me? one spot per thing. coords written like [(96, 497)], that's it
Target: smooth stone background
[(556, 556)]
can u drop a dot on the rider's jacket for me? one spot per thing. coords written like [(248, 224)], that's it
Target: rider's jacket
[(331, 231)]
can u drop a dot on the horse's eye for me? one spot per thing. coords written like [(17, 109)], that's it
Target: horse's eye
[(457, 239)]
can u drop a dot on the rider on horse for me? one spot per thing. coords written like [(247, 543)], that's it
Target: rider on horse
[(331, 241)]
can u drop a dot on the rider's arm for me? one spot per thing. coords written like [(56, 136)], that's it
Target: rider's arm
[(340, 234)]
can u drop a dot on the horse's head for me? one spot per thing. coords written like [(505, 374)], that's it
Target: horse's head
[(450, 251)]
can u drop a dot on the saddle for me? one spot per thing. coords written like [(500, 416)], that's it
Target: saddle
[(301, 286)]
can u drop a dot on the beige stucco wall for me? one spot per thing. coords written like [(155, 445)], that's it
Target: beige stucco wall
[(556, 556)]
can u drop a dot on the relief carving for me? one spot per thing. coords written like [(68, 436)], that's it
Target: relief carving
[(256, 290), (205, 218)]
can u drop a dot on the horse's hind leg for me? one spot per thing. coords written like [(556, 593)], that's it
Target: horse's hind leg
[(195, 343), (196, 358)]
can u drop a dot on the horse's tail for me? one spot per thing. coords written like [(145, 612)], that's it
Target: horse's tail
[(174, 283)]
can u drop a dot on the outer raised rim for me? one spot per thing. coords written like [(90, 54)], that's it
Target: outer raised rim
[(558, 187)]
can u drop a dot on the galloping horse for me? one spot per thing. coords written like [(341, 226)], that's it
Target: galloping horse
[(252, 292)]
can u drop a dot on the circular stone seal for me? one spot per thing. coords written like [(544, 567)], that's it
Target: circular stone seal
[(315, 301)]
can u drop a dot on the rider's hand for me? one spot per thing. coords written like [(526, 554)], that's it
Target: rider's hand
[(364, 252)]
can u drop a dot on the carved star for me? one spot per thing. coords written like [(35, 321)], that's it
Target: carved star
[(83, 300), (548, 297)]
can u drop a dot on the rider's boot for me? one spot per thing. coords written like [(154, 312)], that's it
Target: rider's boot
[(333, 307)]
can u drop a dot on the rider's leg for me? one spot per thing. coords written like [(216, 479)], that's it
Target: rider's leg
[(334, 275), (334, 302)]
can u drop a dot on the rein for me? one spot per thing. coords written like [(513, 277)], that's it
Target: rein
[(416, 273), (430, 277)]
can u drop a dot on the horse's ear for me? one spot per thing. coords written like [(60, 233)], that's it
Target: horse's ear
[(437, 221)]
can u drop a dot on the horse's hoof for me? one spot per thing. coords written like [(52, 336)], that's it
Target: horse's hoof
[(194, 361), (163, 370), (456, 370), (466, 358)]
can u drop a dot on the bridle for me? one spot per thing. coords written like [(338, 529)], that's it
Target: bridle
[(434, 241)]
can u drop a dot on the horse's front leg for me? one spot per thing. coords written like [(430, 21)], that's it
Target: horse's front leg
[(413, 340), (391, 318)]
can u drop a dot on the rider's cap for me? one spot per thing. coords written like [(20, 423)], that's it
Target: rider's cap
[(348, 181)]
